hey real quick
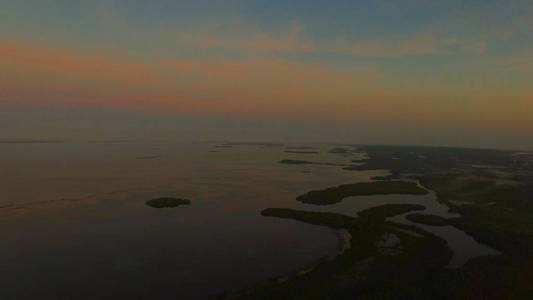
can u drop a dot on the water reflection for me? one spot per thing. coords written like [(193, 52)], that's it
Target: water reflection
[(74, 219)]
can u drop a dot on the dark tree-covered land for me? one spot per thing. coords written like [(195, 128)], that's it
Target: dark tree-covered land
[(491, 190)]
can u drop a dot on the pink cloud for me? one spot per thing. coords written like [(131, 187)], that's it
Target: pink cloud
[(258, 86)]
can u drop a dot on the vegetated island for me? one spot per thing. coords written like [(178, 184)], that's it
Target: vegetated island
[(369, 269), (167, 202), (338, 150), (306, 162), (263, 144), (427, 219), (301, 151), (329, 219), (389, 210), (300, 148), (336, 194)]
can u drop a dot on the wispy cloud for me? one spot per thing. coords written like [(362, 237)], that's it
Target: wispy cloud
[(520, 62), (422, 43), (290, 40), (22, 58), (388, 47), (259, 85), (294, 39), (244, 37)]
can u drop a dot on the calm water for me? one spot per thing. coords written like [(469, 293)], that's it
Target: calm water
[(75, 223)]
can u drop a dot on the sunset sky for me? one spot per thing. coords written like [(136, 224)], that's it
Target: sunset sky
[(384, 72)]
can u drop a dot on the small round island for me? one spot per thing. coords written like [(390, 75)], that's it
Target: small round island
[(167, 202)]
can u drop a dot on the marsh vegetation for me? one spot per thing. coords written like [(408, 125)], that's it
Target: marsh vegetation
[(337, 194), (368, 269), (492, 192)]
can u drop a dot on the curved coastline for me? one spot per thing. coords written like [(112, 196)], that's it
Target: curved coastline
[(344, 243), (417, 244)]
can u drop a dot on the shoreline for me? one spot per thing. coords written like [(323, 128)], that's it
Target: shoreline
[(344, 243)]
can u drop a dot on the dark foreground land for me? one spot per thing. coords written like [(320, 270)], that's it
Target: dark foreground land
[(491, 190), (375, 267)]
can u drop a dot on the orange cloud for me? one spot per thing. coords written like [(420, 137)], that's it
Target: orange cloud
[(257, 86), (263, 85), (19, 58)]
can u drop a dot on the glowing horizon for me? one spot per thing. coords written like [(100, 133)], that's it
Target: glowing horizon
[(416, 69)]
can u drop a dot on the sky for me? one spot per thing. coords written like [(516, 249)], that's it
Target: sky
[(452, 73)]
